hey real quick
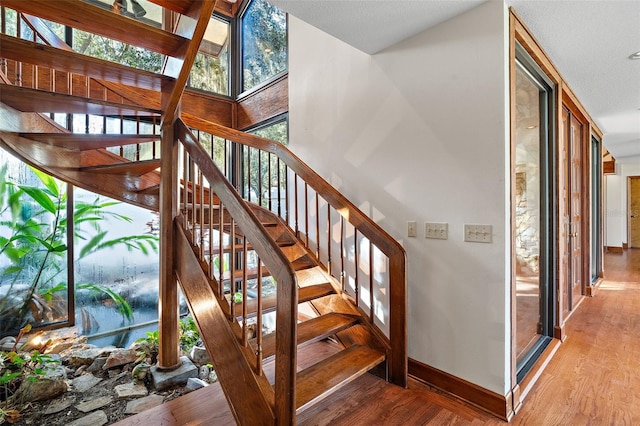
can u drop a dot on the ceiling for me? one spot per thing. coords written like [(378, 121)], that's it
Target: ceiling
[(588, 41)]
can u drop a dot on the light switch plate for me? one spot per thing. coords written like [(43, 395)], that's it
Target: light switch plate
[(437, 230), (412, 228), (478, 233)]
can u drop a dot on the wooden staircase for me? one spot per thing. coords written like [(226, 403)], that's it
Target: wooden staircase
[(223, 249)]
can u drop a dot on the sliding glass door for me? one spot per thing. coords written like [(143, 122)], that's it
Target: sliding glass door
[(533, 226)]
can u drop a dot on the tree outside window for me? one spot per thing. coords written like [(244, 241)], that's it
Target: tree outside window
[(264, 43)]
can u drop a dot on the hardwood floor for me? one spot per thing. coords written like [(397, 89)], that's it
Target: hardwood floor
[(594, 378)]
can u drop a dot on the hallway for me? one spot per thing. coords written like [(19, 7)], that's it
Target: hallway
[(595, 375)]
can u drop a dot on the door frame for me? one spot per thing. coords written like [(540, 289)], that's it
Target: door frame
[(584, 237), (629, 179), (520, 33)]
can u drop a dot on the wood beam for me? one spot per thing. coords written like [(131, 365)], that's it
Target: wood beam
[(168, 354), (196, 29)]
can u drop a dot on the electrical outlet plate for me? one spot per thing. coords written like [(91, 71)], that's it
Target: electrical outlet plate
[(478, 233), (412, 229), (437, 230)]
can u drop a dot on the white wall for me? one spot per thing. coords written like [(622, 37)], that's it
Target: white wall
[(418, 132)]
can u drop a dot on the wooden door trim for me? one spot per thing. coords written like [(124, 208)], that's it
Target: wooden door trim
[(629, 242), (520, 33)]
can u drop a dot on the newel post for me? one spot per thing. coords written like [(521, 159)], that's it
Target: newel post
[(168, 305)]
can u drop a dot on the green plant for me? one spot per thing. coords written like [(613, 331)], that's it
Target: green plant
[(16, 368), (33, 247), (150, 345), (189, 335)]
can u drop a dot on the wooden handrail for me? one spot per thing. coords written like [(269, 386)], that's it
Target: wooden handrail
[(273, 258), (364, 226)]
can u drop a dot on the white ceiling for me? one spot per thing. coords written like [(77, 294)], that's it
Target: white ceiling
[(589, 41)]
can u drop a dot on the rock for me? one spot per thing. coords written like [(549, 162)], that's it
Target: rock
[(193, 384), (97, 364), (58, 347), (84, 383), (213, 377), (120, 357), (142, 404), (82, 357), (203, 372), (80, 370), (93, 404), (97, 418), (7, 343), (59, 404), (131, 390), (51, 385), (199, 355), (165, 379)]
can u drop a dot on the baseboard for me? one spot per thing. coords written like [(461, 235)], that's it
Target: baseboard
[(498, 405), (613, 249), (594, 287), (625, 246)]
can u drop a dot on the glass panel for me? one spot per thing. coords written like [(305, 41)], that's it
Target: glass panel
[(264, 43), (115, 51), (141, 10), (210, 70), (264, 179), (527, 212), (33, 247), (116, 270)]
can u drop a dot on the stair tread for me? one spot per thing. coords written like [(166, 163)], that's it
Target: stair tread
[(311, 331), (321, 379), (25, 99), (312, 276), (83, 142), (83, 16), (269, 303), (69, 61), (129, 168)]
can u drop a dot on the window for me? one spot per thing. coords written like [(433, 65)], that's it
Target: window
[(264, 43), (33, 248), (210, 70)]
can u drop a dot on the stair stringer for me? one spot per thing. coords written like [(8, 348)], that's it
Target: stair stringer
[(250, 396)]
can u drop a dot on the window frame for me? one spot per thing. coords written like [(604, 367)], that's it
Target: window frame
[(238, 78)]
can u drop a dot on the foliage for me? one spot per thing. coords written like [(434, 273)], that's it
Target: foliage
[(150, 346), (116, 51), (258, 179), (264, 43), (33, 249), (16, 368), (189, 335), (211, 73)]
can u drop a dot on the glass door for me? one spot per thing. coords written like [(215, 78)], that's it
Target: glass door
[(533, 211)]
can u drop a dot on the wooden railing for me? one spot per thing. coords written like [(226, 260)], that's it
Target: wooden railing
[(370, 264), (226, 230)]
